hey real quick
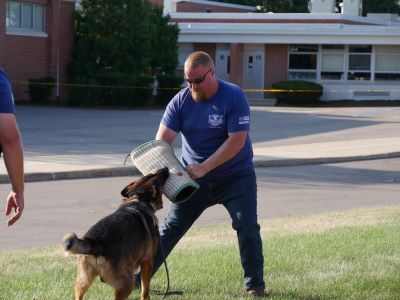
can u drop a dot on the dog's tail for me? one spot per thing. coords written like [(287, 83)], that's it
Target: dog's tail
[(74, 245)]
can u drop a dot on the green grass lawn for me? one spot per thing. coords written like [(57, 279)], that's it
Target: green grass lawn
[(346, 255)]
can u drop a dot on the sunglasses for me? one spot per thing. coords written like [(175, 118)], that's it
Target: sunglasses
[(197, 80)]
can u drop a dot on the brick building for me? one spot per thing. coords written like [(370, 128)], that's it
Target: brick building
[(352, 56), (36, 40)]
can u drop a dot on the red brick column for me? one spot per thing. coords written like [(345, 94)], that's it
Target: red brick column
[(276, 60), (209, 48), (60, 26), (66, 44), (53, 15), (236, 75)]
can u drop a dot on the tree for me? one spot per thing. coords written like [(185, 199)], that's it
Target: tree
[(380, 6), (120, 36), (285, 6), (164, 43)]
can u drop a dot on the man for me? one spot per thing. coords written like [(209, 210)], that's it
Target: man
[(11, 146), (213, 117)]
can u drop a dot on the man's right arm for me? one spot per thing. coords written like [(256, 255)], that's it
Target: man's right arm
[(166, 134)]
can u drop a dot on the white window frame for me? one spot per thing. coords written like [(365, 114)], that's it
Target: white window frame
[(346, 57), (31, 30), (342, 53), (304, 71), (388, 54), (371, 63)]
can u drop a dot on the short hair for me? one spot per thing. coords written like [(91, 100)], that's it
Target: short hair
[(198, 58)]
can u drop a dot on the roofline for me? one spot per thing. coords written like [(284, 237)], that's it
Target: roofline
[(287, 33), (274, 16)]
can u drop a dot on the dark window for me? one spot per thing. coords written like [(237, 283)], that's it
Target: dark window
[(303, 48), (359, 62), (303, 61), (331, 75), (360, 49), (359, 76), (387, 76)]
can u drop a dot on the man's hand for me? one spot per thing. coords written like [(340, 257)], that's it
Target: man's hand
[(15, 201), (196, 170)]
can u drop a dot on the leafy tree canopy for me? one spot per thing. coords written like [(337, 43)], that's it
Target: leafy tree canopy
[(285, 6), (380, 6), (123, 36)]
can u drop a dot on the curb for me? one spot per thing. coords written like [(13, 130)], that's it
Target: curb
[(84, 174), (322, 160), (132, 171)]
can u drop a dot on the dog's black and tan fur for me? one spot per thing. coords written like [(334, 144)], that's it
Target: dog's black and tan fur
[(120, 243)]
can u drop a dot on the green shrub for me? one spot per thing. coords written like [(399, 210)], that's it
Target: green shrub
[(124, 89), (40, 89), (297, 92), (143, 90), (84, 92), (168, 86), (117, 88)]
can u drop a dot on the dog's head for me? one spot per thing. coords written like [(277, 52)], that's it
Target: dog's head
[(148, 188)]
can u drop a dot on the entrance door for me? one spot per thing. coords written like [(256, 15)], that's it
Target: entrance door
[(253, 69), (222, 61)]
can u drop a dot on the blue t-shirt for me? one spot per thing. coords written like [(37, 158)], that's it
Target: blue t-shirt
[(205, 126), (6, 97)]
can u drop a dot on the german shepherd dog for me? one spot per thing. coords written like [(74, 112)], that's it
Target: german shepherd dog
[(118, 244)]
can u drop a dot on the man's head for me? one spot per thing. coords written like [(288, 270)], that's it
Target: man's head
[(200, 76)]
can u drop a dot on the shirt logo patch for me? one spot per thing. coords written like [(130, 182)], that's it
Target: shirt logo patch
[(244, 120), (215, 120)]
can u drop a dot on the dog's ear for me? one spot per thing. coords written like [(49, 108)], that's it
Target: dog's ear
[(125, 192), (130, 188), (142, 186)]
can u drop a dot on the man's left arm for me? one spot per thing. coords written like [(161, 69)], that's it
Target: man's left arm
[(10, 140), (225, 152)]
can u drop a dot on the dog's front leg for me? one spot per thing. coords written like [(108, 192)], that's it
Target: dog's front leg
[(146, 269)]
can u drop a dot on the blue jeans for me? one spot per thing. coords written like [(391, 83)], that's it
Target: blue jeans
[(238, 193)]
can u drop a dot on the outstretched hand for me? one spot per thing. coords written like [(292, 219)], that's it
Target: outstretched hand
[(15, 202)]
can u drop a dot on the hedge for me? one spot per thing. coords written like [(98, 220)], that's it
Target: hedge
[(112, 88), (84, 92), (168, 86), (297, 92), (40, 89)]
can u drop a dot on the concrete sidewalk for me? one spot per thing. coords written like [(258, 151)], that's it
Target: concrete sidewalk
[(67, 143)]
